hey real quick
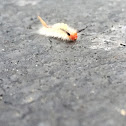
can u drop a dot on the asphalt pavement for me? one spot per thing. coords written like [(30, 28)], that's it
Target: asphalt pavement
[(49, 82)]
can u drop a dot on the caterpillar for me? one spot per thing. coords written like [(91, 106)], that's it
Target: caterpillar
[(59, 30)]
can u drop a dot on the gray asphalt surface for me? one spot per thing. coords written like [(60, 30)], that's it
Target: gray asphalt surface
[(48, 82)]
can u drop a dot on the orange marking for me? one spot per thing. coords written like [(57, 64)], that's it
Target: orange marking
[(73, 37)]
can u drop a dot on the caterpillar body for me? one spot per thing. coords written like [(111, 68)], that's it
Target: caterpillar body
[(59, 30)]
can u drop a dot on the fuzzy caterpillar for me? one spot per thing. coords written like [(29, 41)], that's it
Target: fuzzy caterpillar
[(59, 30)]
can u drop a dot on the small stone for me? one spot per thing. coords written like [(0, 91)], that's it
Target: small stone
[(74, 85), (92, 92), (29, 27), (28, 99), (31, 19)]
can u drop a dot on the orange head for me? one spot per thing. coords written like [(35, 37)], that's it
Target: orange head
[(73, 37)]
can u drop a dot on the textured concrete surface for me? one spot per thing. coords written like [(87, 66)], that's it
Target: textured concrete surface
[(48, 82)]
